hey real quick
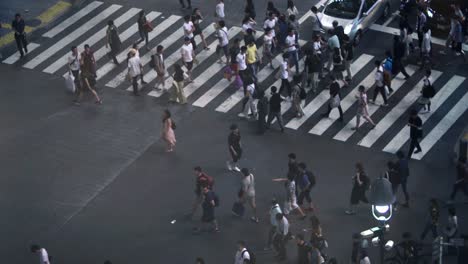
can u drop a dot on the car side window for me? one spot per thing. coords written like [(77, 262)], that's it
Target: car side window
[(368, 4)]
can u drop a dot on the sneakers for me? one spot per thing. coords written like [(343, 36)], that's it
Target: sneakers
[(242, 115), (236, 169), (350, 212), (254, 219), (228, 165), (384, 105)]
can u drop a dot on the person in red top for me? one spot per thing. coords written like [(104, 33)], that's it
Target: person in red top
[(201, 181)]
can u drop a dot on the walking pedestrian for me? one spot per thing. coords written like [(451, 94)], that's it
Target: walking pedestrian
[(335, 98), (399, 49), (268, 46), (281, 236), (415, 124), (234, 50), (223, 42), (188, 55), (305, 181), (271, 23), (135, 50), (242, 66), (113, 41), (462, 179), (242, 254), (219, 10), (178, 91), (451, 229), (42, 253), (338, 66), (313, 64), (167, 133), (293, 165), (426, 49), (189, 29), (348, 51), (74, 66), (189, 4), (18, 26), (290, 204), (333, 42), (210, 202), (293, 25), (339, 31), (262, 110), (403, 171), (250, 9), (247, 192), (275, 108), (427, 92), (88, 75), (303, 250), (249, 102), (361, 183), (275, 209), (291, 10), (143, 28), (364, 259), (379, 85), (316, 27), (293, 55), (272, 9), (235, 148), (252, 59), (362, 108), (457, 35), (282, 30), (284, 75), (197, 18), (135, 69), (432, 222), (202, 180), (298, 94), (393, 175), (248, 29), (421, 20), (387, 66), (160, 68), (405, 34)]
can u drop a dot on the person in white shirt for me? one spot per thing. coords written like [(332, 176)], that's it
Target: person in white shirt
[(290, 204), (247, 23), (223, 39), (281, 236), (42, 253), (247, 193), (426, 47), (268, 46), (242, 254), (134, 70), (159, 67), (189, 28), (242, 66), (316, 23), (292, 10), (274, 210), (249, 101), (270, 22), (333, 42), (188, 55), (379, 86), (284, 75), (219, 10), (292, 49), (74, 65), (135, 50)]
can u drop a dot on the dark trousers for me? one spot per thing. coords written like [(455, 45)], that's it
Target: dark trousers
[(76, 74), (279, 243), (143, 36), (403, 187), (294, 59), (279, 118), (414, 143), (113, 54), (304, 194), (244, 75), (261, 122), (429, 226), (381, 90), (271, 233), (189, 3), (420, 38), (460, 186), (135, 85), (194, 44), (21, 43), (339, 109), (285, 84), (399, 67)]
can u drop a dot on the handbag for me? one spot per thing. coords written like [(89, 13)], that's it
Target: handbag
[(335, 101), (148, 27), (70, 82), (227, 73), (387, 91), (238, 82)]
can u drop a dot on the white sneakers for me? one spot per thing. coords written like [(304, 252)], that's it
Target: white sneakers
[(232, 168)]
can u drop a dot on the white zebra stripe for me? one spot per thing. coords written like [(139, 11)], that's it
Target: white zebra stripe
[(16, 56)]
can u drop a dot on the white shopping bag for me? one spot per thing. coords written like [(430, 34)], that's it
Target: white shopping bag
[(70, 83)]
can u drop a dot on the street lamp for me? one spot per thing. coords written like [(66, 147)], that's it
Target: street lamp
[(382, 198)]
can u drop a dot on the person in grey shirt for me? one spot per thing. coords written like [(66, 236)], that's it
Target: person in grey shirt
[(316, 23), (247, 192)]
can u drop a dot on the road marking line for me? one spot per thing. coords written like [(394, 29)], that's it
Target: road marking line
[(349, 100), (346, 132), (442, 127), (391, 117), (441, 96), (175, 57), (309, 13), (16, 56), (62, 43), (71, 20), (116, 81), (390, 19), (101, 34), (52, 12)]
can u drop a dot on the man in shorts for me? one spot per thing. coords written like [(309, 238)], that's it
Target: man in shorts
[(188, 55), (223, 39), (247, 192)]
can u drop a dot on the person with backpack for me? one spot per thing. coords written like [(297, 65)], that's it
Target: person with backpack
[(243, 255), (427, 92), (305, 182), (113, 40), (143, 28), (247, 192), (298, 94), (387, 66), (201, 180), (361, 184), (275, 108), (210, 202), (262, 111)]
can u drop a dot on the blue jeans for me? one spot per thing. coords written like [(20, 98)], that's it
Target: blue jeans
[(294, 59)]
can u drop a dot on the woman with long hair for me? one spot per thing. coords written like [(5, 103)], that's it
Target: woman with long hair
[(360, 186), (197, 18), (167, 133)]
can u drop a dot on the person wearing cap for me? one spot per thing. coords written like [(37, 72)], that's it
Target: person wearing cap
[(188, 55), (18, 26), (235, 148)]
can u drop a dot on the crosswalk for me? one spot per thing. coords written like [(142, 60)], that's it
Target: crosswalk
[(211, 91)]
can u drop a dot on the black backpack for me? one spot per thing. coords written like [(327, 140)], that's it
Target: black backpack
[(152, 64), (253, 259)]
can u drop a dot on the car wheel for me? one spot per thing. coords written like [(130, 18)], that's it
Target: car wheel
[(357, 38), (386, 11)]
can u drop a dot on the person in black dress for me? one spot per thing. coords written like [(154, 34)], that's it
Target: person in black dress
[(235, 148), (360, 186), (415, 124)]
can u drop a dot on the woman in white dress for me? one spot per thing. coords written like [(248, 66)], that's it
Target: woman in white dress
[(363, 108)]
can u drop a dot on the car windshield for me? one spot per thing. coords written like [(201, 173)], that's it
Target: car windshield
[(347, 9)]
